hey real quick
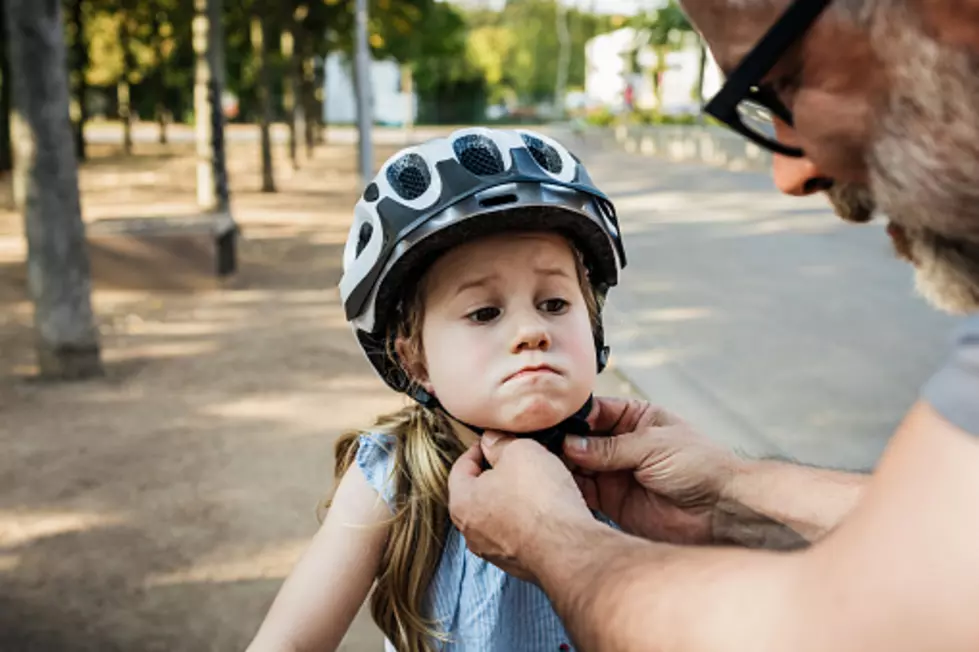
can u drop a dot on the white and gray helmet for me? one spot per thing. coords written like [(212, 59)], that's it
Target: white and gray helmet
[(428, 198)]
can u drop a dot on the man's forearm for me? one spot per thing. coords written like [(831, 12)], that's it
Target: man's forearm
[(617, 592), (778, 505)]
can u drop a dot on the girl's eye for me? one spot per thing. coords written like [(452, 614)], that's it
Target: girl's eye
[(554, 306), (483, 315)]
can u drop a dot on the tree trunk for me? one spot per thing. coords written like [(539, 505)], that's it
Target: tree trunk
[(58, 276), (6, 154), (210, 159), (213, 193), (658, 73), (123, 88), (362, 91), (291, 85), (563, 59), (701, 69), (160, 79), (80, 61), (161, 120), (319, 102), (259, 41), (408, 89), (307, 78), (309, 105)]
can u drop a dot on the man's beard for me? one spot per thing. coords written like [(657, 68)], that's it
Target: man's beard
[(946, 268), (924, 171)]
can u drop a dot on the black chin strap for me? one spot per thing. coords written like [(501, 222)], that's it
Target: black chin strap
[(551, 438)]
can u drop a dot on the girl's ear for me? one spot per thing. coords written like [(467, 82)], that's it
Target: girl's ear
[(414, 363)]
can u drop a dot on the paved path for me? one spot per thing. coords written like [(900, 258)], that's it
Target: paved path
[(762, 318)]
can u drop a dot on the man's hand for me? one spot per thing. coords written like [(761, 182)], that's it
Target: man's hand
[(654, 476), (516, 509)]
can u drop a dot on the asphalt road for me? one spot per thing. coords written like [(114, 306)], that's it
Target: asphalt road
[(763, 319)]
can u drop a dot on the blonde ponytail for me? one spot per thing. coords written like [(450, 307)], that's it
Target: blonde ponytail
[(425, 449)]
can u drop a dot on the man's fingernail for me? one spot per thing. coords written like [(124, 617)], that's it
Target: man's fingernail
[(490, 438), (578, 443)]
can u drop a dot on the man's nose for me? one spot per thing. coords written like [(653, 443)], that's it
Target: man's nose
[(796, 176), (532, 335)]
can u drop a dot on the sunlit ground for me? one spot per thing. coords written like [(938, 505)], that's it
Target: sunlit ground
[(160, 507)]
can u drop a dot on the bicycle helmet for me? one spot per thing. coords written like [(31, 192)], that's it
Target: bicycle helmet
[(428, 198)]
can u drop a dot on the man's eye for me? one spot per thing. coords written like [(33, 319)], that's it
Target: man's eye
[(784, 88), (483, 315), (554, 306)]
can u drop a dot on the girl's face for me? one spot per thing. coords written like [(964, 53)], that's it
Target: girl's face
[(507, 337)]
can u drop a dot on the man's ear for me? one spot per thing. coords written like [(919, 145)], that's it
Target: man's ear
[(414, 364)]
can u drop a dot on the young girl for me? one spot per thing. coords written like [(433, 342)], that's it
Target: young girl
[(474, 277)]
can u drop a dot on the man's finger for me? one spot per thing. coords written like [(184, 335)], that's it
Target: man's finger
[(614, 416), (493, 444), (617, 453), (606, 413), (466, 468)]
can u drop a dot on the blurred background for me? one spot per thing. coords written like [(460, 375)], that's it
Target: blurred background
[(177, 179)]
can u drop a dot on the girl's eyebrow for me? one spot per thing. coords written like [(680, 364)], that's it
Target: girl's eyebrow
[(475, 283), (482, 281), (551, 271)]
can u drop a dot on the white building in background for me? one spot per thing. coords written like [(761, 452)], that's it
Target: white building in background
[(608, 74), (391, 105), (680, 80)]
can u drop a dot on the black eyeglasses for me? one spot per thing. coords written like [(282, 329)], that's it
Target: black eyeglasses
[(745, 105)]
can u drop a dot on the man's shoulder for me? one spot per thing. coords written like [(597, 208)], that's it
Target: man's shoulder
[(954, 390)]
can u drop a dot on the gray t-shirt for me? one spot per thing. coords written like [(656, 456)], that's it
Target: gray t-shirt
[(954, 390)]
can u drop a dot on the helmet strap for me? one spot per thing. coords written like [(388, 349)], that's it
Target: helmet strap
[(550, 438)]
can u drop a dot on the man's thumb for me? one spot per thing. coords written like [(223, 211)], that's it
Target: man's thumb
[(493, 444), (615, 453)]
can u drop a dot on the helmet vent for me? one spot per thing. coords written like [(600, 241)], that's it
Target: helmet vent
[(498, 200), (545, 155), (478, 154), (409, 176), (366, 231)]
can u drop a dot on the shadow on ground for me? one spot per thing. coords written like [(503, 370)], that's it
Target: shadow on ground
[(159, 507)]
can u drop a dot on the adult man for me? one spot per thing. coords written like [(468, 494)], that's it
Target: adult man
[(874, 103)]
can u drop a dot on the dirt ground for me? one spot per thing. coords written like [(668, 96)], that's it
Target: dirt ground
[(160, 507)]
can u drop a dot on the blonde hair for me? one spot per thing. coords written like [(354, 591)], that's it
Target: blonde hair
[(425, 449)]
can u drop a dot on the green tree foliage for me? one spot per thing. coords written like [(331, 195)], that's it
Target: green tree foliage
[(161, 59), (516, 50), (451, 88), (460, 59)]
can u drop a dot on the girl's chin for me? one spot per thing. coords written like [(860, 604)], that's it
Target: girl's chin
[(520, 414), (536, 413)]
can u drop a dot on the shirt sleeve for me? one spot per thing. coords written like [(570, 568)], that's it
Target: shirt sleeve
[(954, 391), (375, 459)]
